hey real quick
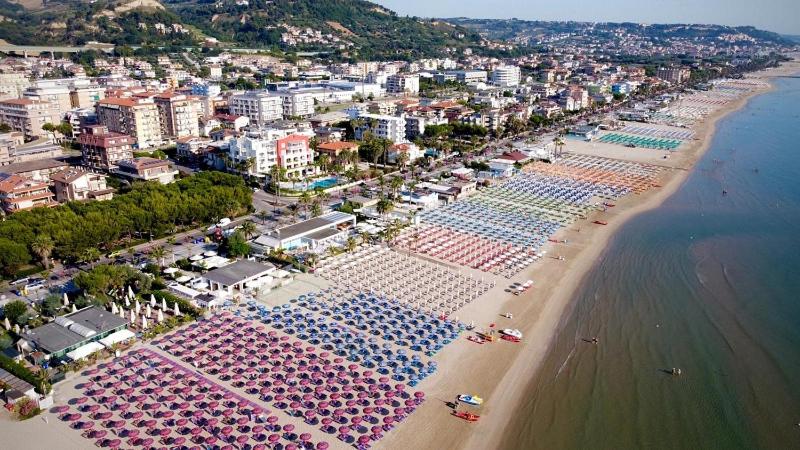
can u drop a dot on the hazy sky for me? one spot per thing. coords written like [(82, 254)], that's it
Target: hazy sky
[(782, 16)]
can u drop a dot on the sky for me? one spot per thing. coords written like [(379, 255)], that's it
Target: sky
[(782, 16)]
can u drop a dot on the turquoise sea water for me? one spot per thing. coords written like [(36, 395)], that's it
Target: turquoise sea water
[(706, 283)]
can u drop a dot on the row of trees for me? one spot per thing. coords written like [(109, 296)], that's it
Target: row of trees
[(82, 231)]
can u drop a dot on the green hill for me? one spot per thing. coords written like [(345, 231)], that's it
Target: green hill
[(358, 29)]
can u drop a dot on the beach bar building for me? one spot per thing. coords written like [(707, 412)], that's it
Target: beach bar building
[(77, 335), (309, 234), (240, 275)]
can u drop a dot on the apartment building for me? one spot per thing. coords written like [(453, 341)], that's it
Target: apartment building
[(675, 75), (13, 84), (462, 76), (102, 149), (381, 126), (298, 104), (18, 193), (269, 147), (147, 169), (261, 107), (138, 118), (56, 94), (27, 116), (76, 184), (402, 84), (506, 76), (179, 115)]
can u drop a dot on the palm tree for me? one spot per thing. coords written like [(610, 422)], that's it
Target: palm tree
[(90, 255), (262, 216), (277, 174), (158, 253), (305, 200), (324, 161), (293, 209), (316, 208), (351, 244), (402, 160), (354, 159), (364, 237), (559, 142), (384, 206), (43, 247), (396, 184), (248, 229), (381, 182)]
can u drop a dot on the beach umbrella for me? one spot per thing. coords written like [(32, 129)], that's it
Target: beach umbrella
[(177, 311), (273, 438), (127, 302), (152, 301), (160, 316), (122, 313), (7, 324), (133, 317), (148, 311), (114, 309), (138, 307), (144, 322), (74, 308), (322, 445), (66, 299), (16, 328), (130, 292), (163, 304)]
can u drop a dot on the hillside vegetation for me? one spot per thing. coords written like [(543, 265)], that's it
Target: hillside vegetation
[(364, 30)]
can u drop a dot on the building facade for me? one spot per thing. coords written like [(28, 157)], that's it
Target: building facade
[(179, 115), (402, 84), (18, 193), (261, 107), (381, 126), (137, 118), (102, 149), (27, 116), (506, 76), (75, 184)]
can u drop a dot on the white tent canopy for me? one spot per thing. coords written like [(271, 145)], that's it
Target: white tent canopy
[(119, 336), (84, 351)]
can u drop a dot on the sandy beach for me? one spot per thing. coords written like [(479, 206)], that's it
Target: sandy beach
[(500, 372)]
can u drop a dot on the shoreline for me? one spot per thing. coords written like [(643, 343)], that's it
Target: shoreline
[(541, 312)]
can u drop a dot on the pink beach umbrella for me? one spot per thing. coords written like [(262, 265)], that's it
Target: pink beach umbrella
[(273, 438), (322, 445)]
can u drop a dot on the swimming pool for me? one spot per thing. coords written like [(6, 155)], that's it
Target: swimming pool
[(323, 183)]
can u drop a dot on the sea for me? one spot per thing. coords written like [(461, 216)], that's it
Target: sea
[(708, 284)]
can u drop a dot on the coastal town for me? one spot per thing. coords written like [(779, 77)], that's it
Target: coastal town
[(211, 248)]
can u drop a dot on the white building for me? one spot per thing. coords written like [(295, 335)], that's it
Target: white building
[(402, 84), (269, 147), (298, 104), (259, 106), (382, 126), (506, 76)]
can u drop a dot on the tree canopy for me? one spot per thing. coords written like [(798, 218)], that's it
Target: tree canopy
[(149, 208)]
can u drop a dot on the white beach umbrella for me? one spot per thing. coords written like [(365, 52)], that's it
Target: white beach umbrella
[(152, 301), (74, 308), (127, 302), (113, 308), (138, 307), (177, 310), (133, 317), (130, 292), (122, 313), (163, 304), (66, 299), (16, 328), (144, 322), (148, 311), (6, 323), (160, 316)]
